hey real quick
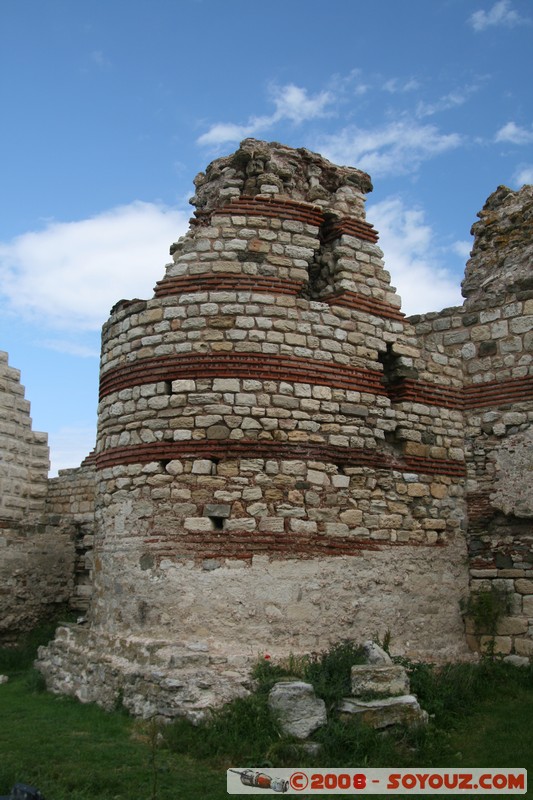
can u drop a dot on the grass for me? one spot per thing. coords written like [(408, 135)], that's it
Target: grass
[(79, 752), (481, 716)]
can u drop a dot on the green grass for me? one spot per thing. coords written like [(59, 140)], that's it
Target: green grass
[(481, 717), (72, 751)]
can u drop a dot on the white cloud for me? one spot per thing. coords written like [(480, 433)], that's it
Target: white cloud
[(514, 134), (290, 103), (70, 347), (408, 243), (395, 86), (69, 446), (224, 132), (70, 274), (500, 14), (450, 100), (524, 174), (293, 103), (394, 149), (462, 249)]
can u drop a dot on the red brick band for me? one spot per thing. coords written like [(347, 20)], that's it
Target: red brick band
[(498, 393), (247, 544), (430, 394), (241, 365), (482, 395), (89, 460), (350, 226), (260, 206), (478, 506), (361, 302), (226, 281), (260, 448)]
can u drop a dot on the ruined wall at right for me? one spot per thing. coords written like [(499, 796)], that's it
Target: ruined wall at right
[(491, 340)]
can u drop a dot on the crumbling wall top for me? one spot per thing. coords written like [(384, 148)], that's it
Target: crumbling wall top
[(272, 169), (500, 262)]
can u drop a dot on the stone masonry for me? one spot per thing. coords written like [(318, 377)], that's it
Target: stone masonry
[(42, 522), (284, 460)]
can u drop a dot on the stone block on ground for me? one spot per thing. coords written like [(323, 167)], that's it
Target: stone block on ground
[(382, 680), (298, 709), (383, 713), (376, 654)]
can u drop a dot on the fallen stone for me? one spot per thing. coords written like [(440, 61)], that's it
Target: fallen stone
[(517, 661), (298, 709), (389, 711), (375, 654), (381, 680)]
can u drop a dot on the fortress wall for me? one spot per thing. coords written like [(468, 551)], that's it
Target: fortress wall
[(283, 459), (70, 515), (23, 453), (491, 339), (498, 287), (263, 482), (35, 564)]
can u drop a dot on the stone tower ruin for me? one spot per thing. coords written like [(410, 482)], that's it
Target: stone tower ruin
[(281, 458), (284, 460)]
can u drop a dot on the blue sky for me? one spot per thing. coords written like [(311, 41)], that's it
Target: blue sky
[(110, 108)]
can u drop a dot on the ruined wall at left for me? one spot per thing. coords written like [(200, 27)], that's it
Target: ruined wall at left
[(37, 554), (23, 454)]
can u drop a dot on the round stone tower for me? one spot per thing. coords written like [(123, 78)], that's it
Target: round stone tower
[(273, 475)]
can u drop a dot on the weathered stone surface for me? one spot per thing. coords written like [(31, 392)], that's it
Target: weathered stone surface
[(300, 174), (375, 654), (503, 247), (403, 710), (357, 452), (299, 711), (383, 681), (517, 661), (46, 526), (514, 465)]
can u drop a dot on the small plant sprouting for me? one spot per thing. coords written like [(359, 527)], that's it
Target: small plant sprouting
[(485, 609)]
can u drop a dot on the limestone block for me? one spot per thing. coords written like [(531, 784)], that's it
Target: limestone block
[(517, 661), (523, 586), (501, 645), (385, 681), (528, 606), (512, 626), (403, 710), (375, 654), (524, 647), (297, 708)]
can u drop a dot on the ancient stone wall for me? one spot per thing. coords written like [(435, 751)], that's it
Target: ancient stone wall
[(491, 339), (284, 460), (263, 482), (70, 513), (42, 523), (32, 573), (24, 453)]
